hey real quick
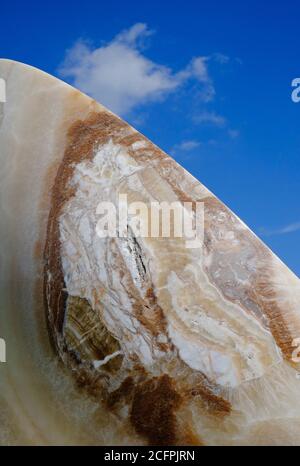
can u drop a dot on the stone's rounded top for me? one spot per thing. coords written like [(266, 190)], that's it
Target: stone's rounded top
[(16, 62), (11, 68), (20, 75), (7, 64)]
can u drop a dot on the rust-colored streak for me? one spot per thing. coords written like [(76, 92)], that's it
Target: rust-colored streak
[(150, 314), (154, 402), (266, 297), (213, 403), (260, 289), (190, 439), (153, 410), (123, 393), (81, 139)]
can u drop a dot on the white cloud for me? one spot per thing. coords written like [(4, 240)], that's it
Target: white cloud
[(185, 146), (121, 77), (221, 58), (188, 145), (211, 118), (134, 35), (290, 228)]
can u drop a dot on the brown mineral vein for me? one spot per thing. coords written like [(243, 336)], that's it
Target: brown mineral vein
[(83, 136)]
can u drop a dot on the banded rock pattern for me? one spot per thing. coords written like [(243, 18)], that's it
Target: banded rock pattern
[(153, 342)]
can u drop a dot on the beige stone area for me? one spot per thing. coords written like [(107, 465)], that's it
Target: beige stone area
[(129, 340)]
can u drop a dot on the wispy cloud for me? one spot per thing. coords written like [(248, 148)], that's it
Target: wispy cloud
[(290, 228), (233, 133), (221, 58), (185, 146), (210, 118), (121, 77)]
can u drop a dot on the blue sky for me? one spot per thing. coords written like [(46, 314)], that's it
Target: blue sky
[(209, 82)]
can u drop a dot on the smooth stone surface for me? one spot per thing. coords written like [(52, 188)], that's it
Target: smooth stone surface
[(152, 342)]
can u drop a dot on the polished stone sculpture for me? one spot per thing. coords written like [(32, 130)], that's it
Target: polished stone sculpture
[(129, 340)]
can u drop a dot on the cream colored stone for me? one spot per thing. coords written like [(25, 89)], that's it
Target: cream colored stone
[(209, 332)]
